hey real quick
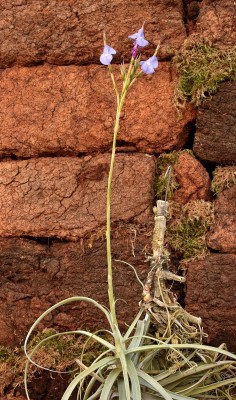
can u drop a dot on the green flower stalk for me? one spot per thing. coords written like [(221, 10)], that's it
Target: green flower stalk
[(128, 78)]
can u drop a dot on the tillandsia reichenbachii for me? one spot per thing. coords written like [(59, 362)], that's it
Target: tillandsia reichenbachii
[(171, 364)]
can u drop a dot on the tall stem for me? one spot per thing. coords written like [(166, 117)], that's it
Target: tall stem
[(108, 232), (120, 102)]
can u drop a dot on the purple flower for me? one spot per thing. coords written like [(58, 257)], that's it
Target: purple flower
[(139, 38), (107, 55), (148, 67)]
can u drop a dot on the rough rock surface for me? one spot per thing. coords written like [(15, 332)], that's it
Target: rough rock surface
[(69, 110), (193, 179), (35, 276), (222, 235), (70, 31), (215, 139), (66, 197), (217, 22), (211, 295), (45, 387)]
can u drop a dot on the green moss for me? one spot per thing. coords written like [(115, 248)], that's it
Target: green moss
[(201, 67), (187, 229), (223, 178), (58, 354), (188, 238), (5, 353), (163, 162), (62, 351)]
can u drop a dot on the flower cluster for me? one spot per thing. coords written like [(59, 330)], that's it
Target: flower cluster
[(148, 66)]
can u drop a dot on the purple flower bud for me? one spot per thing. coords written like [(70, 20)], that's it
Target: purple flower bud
[(148, 67), (135, 50), (107, 55), (139, 38)]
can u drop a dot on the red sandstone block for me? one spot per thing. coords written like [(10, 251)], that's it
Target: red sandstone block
[(49, 110), (35, 276), (211, 296), (216, 22), (193, 180), (215, 138), (71, 32), (66, 197), (222, 235)]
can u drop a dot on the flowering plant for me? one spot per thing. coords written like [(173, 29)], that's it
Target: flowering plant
[(172, 365), (128, 76)]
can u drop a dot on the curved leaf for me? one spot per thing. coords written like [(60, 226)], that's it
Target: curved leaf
[(133, 324), (102, 363), (95, 395), (121, 389), (89, 387), (85, 333), (214, 386), (62, 303), (176, 396), (124, 366), (149, 382), (109, 383), (183, 346), (180, 375), (135, 384)]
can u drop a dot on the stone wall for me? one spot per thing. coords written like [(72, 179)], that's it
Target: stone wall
[(56, 121)]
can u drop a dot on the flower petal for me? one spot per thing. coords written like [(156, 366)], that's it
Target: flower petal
[(139, 38), (141, 41), (105, 59), (106, 56), (148, 66), (109, 50), (134, 36), (154, 61)]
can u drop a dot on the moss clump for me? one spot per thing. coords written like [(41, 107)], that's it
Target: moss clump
[(223, 178), (201, 67), (187, 228), (58, 354)]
